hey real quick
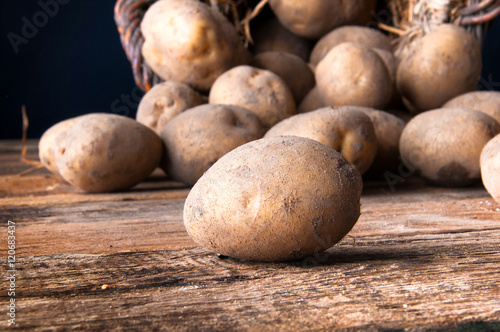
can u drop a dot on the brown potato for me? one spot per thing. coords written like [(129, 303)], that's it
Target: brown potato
[(443, 64), (347, 131), (272, 36), (365, 36), (490, 167), (443, 146), (107, 152), (314, 18), (164, 101), (260, 91), (191, 42), (198, 137), (311, 102), (49, 141), (274, 199), (484, 101), (292, 69), (351, 74)]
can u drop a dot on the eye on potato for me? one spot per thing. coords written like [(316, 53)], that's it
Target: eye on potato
[(198, 137), (443, 146), (107, 152), (164, 101), (261, 91), (292, 69), (490, 167), (347, 131), (191, 42), (274, 199), (365, 36), (351, 74), (442, 65), (484, 101)]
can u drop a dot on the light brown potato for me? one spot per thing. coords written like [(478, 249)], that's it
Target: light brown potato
[(191, 42), (311, 102), (292, 69), (165, 101), (274, 199), (348, 131), (443, 64), (443, 146), (49, 141), (272, 36), (107, 152), (484, 101), (490, 167), (258, 90), (351, 74), (198, 137), (365, 36), (314, 18), (388, 129)]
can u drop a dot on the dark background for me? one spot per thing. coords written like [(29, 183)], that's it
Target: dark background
[(74, 64)]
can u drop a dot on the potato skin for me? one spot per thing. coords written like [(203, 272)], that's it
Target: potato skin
[(443, 146), (314, 18), (294, 71), (274, 199), (261, 91), (198, 137), (365, 36), (443, 64), (311, 102), (348, 131), (108, 152), (490, 167), (164, 101), (49, 141), (484, 101), (351, 74), (191, 42)]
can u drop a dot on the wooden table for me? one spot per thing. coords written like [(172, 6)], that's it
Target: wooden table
[(418, 258)]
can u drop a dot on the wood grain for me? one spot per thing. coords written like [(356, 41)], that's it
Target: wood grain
[(419, 258)]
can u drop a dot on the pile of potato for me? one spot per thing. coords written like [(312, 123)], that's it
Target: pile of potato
[(274, 138)]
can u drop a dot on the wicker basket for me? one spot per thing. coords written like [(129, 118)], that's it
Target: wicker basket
[(411, 18)]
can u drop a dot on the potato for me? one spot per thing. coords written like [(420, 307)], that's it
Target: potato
[(314, 18), (49, 141), (198, 137), (443, 146), (292, 69), (260, 91), (311, 102), (350, 132), (107, 152), (365, 36), (272, 36), (388, 129), (351, 74), (443, 64), (191, 42), (274, 199), (490, 167), (484, 101), (164, 101)]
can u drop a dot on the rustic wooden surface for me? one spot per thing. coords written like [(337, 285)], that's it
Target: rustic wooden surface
[(419, 258)]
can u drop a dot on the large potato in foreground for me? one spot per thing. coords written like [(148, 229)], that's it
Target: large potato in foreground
[(191, 42), (443, 146), (490, 167), (274, 199), (443, 64), (165, 101), (198, 137), (107, 152), (484, 101), (347, 131), (258, 90)]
